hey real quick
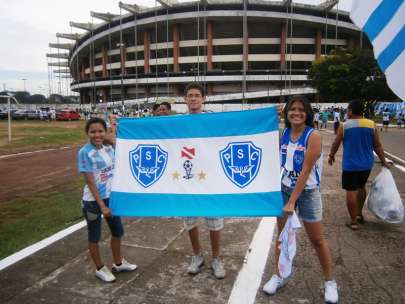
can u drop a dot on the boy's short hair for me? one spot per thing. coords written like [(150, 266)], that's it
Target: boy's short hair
[(155, 107), (356, 106), (194, 85), (166, 104)]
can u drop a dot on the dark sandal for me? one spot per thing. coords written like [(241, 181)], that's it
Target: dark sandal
[(360, 219), (352, 226)]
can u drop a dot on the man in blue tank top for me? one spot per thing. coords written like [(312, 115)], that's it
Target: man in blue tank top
[(360, 138)]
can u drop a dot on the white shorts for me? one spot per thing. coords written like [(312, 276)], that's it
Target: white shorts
[(213, 223)]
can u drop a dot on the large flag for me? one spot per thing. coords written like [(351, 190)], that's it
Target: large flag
[(213, 164), (383, 22)]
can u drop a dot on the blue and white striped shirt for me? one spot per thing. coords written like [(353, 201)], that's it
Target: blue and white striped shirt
[(99, 162)]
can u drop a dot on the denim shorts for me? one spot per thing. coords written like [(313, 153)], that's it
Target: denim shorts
[(92, 214), (309, 203), (212, 223)]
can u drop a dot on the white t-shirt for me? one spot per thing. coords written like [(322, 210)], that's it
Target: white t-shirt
[(316, 117), (386, 116), (336, 116)]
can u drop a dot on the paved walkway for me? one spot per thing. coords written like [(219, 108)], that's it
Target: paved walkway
[(370, 263)]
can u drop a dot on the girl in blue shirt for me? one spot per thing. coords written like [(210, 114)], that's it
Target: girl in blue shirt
[(301, 162), (96, 163)]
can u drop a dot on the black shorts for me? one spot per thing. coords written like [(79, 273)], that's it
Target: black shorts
[(354, 180), (386, 123), (336, 125)]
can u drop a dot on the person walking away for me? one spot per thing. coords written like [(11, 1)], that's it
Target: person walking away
[(316, 119), (336, 120), (360, 138), (325, 117), (386, 119), (301, 162), (96, 163)]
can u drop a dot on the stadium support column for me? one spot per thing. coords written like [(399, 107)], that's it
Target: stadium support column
[(104, 61), (91, 65), (105, 94), (209, 46), (245, 48), (123, 53), (146, 52), (318, 52), (283, 44), (175, 31), (83, 72), (209, 55), (318, 45)]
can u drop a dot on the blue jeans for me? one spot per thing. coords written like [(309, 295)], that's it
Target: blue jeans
[(309, 203), (92, 213)]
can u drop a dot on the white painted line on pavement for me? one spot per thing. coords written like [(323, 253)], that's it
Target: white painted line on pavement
[(401, 168), (250, 276), (395, 157), (18, 256), (32, 152)]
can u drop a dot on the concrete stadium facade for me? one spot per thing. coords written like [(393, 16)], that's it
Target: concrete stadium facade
[(255, 51)]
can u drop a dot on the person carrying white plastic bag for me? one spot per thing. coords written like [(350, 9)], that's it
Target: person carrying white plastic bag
[(384, 200)]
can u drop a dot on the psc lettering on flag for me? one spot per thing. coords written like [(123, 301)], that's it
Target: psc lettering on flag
[(216, 164)]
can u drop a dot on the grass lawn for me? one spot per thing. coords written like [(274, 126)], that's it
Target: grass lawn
[(24, 221), (36, 135)]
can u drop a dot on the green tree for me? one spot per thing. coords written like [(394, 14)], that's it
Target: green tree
[(344, 75)]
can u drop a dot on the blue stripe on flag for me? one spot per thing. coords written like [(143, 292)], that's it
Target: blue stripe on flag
[(380, 17), (393, 50), (236, 123), (210, 205)]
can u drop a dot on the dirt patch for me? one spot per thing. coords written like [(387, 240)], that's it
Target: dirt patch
[(23, 175)]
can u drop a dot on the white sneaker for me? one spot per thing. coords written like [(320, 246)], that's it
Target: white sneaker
[(274, 284), (196, 262), (125, 266), (218, 269), (331, 292), (104, 274)]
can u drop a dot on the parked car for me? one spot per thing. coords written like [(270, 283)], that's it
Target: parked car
[(4, 113), (33, 114), (67, 115), (20, 114)]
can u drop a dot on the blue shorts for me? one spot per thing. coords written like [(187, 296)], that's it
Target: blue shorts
[(92, 214), (309, 203)]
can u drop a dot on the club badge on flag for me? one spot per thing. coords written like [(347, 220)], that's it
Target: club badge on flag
[(216, 164)]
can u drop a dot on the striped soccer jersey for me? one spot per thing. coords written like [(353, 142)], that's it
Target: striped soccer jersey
[(99, 162)]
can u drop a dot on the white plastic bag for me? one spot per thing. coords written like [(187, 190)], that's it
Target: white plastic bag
[(384, 200), (288, 245)]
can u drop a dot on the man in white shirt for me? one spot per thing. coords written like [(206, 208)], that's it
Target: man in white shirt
[(194, 97), (386, 119)]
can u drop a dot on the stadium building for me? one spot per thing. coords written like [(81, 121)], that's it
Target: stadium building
[(246, 50)]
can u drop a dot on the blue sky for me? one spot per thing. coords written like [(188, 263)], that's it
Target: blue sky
[(28, 26)]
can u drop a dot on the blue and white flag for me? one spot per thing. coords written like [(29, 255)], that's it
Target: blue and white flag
[(215, 164), (383, 21)]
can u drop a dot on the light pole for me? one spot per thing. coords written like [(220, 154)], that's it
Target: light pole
[(24, 80)]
